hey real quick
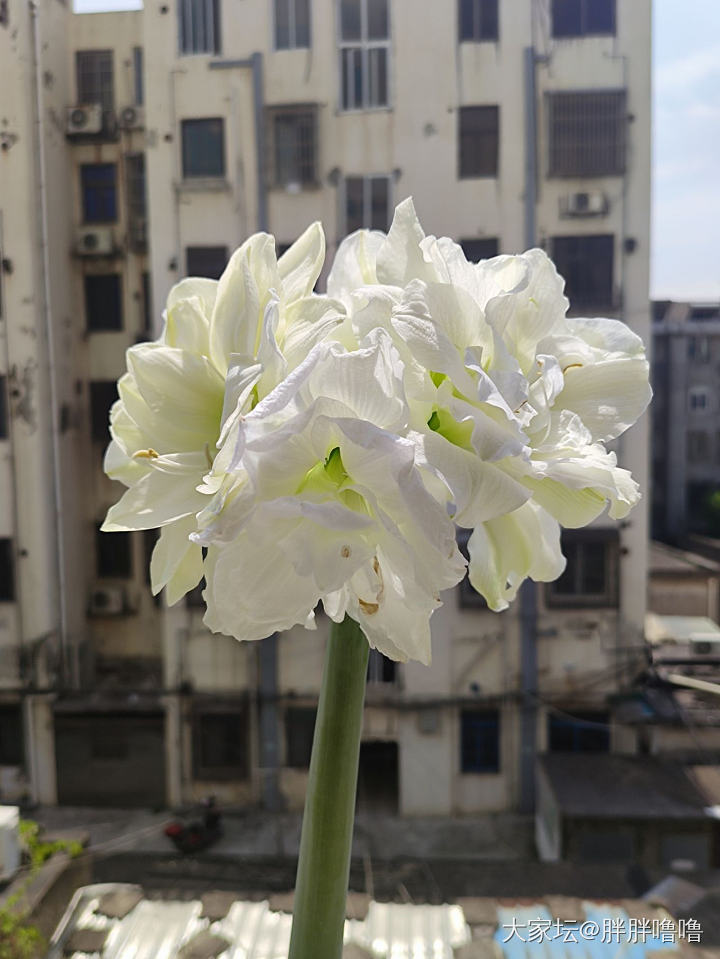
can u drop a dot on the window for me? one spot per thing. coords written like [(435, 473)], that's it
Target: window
[(136, 201), (293, 139), (578, 18), (478, 20), (479, 741), (299, 731), (591, 574), (380, 668), (11, 735), (146, 300), (4, 417), (699, 348), (94, 77), (582, 732), (587, 133), (483, 249), (698, 400), (199, 22), (103, 394), (208, 261), (99, 203), (7, 571), (292, 24), (138, 76), (367, 203), (114, 555), (586, 263), (103, 303), (468, 596), (220, 745), (478, 142), (364, 54), (4, 13), (203, 148), (698, 446)]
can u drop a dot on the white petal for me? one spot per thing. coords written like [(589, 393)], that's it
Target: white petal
[(175, 559), (163, 495), (354, 264), (300, 265), (400, 259), (609, 397)]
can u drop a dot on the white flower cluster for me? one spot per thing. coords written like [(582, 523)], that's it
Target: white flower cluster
[(323, 448)]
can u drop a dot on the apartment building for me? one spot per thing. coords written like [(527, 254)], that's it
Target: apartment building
[(685, 435), (179, 131)]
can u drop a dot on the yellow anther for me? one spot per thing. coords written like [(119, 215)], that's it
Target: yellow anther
[(149, 454)]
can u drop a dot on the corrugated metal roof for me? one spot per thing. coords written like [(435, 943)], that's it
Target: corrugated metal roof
[(159, 929)]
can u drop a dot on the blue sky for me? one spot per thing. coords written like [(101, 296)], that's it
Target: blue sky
[(686, 147)]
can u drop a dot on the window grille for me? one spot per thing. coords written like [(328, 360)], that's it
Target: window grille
[(367, 203), (103, 306), (578, 18), (136, 200), (292, 24), (587, 133), (479, 741), (586, 263), (478, 20), (199, 25), (94, 77), (203, 147), (364, 54), (220, 744), (591, 574), (478, 141), (293, 145), (99, 200), (582, 732)]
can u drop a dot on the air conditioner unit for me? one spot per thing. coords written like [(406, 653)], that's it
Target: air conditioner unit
[(593, 203), (108, 601), (131, 118), (84, 119), (95, 241)]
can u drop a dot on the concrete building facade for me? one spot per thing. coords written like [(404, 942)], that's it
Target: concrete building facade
[(531, 126), (685, 435)]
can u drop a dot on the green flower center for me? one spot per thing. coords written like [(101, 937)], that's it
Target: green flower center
[(327, 479), (459, 434)]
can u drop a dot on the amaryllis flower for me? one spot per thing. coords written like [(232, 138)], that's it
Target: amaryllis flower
[(225, 345), (508, 393), (322, 498)]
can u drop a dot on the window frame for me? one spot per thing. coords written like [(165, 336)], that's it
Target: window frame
[(293, 759), (105, 204), (292, 27), (207, 772), (95, 389), (382, 672), (136, 200), (465, 170), (488, 241), (479, 16), (579, 306), (610, 597), (8, 583), (698, 447), (367, 199), (4, 408), (213, 45), (113, 281), (583, 32), (468, 596), (220, 251), (485, 717), (577, 721), (297, 113), (119, 546), (105, 97), (15, 755), (364, 45), (560, 156), (695, 394), (190, 123)]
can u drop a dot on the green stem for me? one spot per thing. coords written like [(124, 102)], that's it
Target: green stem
[(326, 842)]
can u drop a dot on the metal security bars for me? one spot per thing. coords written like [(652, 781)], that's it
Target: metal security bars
[(586, 263), (364, 54), (477, 20), (292, 24), (292, 135), (587, 133), (367, 203), (94, 77), (478, 141), (579, 18), (199, 26), (136, 201)]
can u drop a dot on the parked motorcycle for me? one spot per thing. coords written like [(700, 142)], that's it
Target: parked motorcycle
[(197, 834)]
